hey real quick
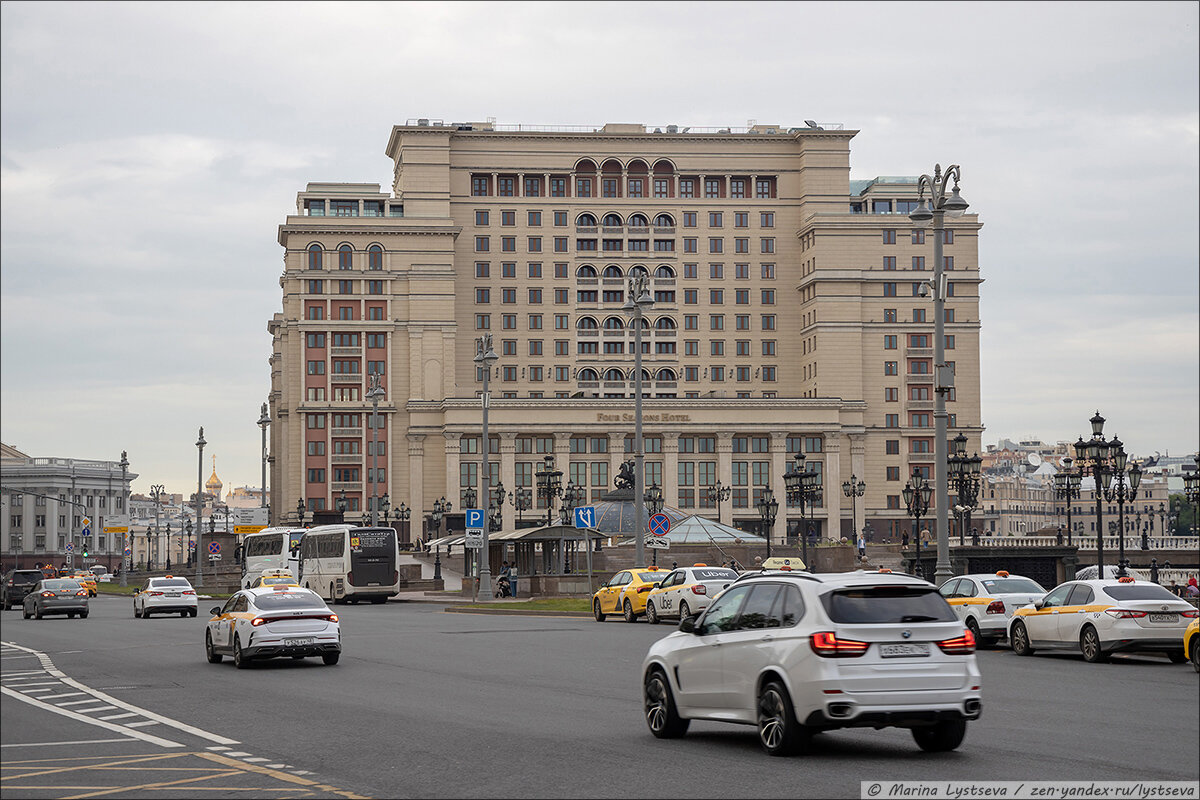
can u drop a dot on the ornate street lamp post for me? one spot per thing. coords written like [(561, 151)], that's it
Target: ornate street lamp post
[(715, 494), (126, 562), (654, 504), (549, 486), (917, 496), (942, 205), (469, 496), (300, 513), (522, 500), (264, 421), (496, 508), (964, 479), (385, 505), (199, 508), (441, 507), (485, 357), (1121, 491), (768, 508), (801, 488), (854, 489), (1095, 457), (374, 392), (402, 514), (187, 527), (1066, 487), (1191, 491), (637, 303)]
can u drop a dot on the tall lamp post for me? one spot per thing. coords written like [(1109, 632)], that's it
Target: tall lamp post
[(485, 357), (300, 512), (342, 505), (854, 489), (654, 504), (1066, 487), (374, 392), (441, 507), (638, 301), (199, 506), (125, 562), (942, 205), (496, 508), (402, 514), (549, 481), (385, 505), (964, 479), (1095, 456), (187, 526), (522, 500), (715, 494), (917, 496), (168, 545), (768, 508), (1122, 490), (264, 421), (801, 488), (1191, 490)]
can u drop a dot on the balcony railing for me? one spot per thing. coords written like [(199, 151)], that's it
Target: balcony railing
[(346, 432), (583, 229), (346, 458), (356, 350)]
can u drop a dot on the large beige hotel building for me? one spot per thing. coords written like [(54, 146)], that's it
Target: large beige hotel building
[(787, 315)]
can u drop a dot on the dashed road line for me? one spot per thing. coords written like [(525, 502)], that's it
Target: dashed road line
[(95, 710), (59, 744)]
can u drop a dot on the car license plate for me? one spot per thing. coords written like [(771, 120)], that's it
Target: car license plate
[(1163, 617), (904, 650), (307, 640), (174, 594)]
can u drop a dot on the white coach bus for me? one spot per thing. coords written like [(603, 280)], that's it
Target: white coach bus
[(271, 548), (344, 563)]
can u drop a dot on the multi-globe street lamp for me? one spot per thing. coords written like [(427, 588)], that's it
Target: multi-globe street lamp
[(964, 479), (187, 526), (768, 509), (157, 491), (854, 489), (1066, 487), (522, 500), (300, 509), (264, 421), (1191, 490), (654, 505), (802, 488), (549, 486), (715, 494), (637, 303), (199, 507), (385, 505), (496, 508), (402, 514), (917, 496), (126, 555), (374, 392), (1106, 460), (940, 206)]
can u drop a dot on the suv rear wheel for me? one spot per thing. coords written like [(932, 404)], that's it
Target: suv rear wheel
[(940, 737), (779, 733)]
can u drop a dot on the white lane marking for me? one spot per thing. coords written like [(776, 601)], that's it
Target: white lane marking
[(23, 686), (67, 652), (36, 691), (112, 726), (26, 672), (60, 694), (268, 766), (22, 655), (141, 724), (255, 759), (216, 747), (94, 710), (106, 698), (237, 754), (81, 741), (120, 716), (78, 702)]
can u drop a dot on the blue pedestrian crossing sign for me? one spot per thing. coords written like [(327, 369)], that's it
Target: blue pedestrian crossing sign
[(585, 516), (474, 518)]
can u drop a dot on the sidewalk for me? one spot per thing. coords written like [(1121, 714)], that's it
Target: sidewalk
[(451, 579)]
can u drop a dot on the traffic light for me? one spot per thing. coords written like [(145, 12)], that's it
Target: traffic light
[(85, 551)]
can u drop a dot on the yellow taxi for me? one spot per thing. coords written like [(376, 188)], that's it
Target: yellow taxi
[(86, 579), (1191, 643), (274, 577), (626, 593)]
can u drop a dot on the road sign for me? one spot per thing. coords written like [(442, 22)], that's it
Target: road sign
[(474, 539), (87, 522), (249, 516), (86, 532), (214, 556), (661, 542), (474, 518), (127, 551), (214, 548), (660, 524), (248, 528), (70, 547), (585, 516)]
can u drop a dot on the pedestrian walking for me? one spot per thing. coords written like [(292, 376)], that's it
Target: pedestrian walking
[(862, 546)]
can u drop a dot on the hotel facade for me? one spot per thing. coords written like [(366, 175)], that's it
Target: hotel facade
[(788, 315)]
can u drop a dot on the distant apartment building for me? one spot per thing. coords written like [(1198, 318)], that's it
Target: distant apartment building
[(787, 316)]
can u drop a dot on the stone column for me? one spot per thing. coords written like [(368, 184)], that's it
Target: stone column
[(508, 470), (453, 454), (778, 447), (725, 472), (858, 467), (670, 440), (416, 485), (833, 484)]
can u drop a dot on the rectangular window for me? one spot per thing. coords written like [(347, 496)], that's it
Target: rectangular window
[(664, 245), (687, 187), (889, 290), (690, 245), (316, 448), (891, 395), (316, 312), (345, 287), (741, 322), (716, 322), (533, 188), (534, 243), (482, 244), (535, 297), (889, 315), (768, 297), (889, 237), (918, 340), (479, 186), (893, 473), (889, 262), (560, 244), (716, 245), (376, 367), (558, 188), (689, 219), (561, 296), (716, 297), (508, 244), (691, 322), (918, 263), (737, 187), (608, 187), (918, 236), (890, 342), (314, 287), (712, 187), (315, 421), (562, 347), (562, 322), (766, 219), (316, 208), (375, 312), (506, 187), (583, 187), (949, 315), (585, 244), (315, 394), (508, 295), (767, 246), (891, 368), (768, 271), (918, 315), (716, 219), (316, 367), (482, 295), (374, 287), (535, 269), (768, 347), (560, 270), (949, 341), (891, 421), (316, 476), (741, 245), (483, 322), (947, 236), (662, 187), (482, 269), (639, 245), (508, 322), (741, 219), (768, 322)]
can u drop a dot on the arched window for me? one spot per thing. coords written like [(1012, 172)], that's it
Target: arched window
[(664, 324), (586, 221), (375, 257), (586, 271), (588, 374), (614, 324), (638, 221), (638, 269), (664, 221), (345, 257), (665, 375), (614, 375), (612, 221), (664, 272), (645, 375), (613, 271), (314, 256), (645, 324), (587, 324)]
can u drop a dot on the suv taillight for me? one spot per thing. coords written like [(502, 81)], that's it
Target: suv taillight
[(995, 607), (828, 645), (960, 645), (699, 588)]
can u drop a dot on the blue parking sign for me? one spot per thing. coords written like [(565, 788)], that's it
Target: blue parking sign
[(474, 518)]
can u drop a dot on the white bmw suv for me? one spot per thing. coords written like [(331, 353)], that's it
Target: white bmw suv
[(795, 654)]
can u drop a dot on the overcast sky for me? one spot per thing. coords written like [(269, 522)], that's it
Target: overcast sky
[(150, 150)]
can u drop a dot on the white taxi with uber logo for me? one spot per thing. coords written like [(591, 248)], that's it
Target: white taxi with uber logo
[(272, 622), (686, 591), (1103, 617), (985, 602)]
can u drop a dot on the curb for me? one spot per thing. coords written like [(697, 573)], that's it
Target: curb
[(516, 612)]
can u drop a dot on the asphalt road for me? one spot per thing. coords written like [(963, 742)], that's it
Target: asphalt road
[(426, 703)]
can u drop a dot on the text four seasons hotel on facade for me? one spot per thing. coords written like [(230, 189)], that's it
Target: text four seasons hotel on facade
[(787, 315)]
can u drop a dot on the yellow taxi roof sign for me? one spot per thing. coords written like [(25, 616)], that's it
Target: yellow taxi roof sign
[(776, 562)]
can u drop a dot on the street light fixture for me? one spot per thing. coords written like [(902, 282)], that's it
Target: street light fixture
[(374, 392), (199, 506), (300, 512), (549, 486), (401, 515), (126, 562), (715, 494), (496, 508), (441, 507), (917, 496), (485, 357), (1106, 460), (1191, 490), (1066, 487), (964, 480), (636, 304), (187, 527), (942, 205), (342, 505), (385, 505), (1122, 490), (768, 509), (802, 488), (469, 496), (522, 500), (654, 504), (854, 489), (264, 421)]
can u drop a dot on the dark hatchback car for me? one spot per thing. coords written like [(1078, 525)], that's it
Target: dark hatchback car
[(17, 584), (56, 596)]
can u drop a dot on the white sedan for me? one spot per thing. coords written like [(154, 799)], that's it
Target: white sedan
[(168, 595), (985, 602), (271, 622), (1102, 617), (687, 591)]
